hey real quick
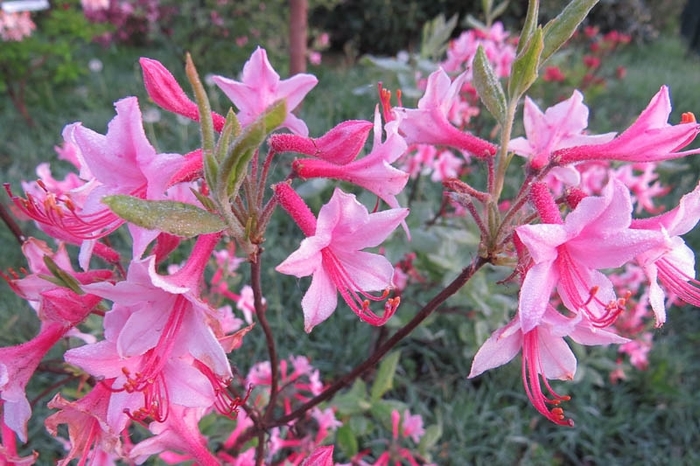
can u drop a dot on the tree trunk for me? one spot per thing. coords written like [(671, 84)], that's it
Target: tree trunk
[(298, 35)]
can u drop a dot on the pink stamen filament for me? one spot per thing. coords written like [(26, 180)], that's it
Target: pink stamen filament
[(532, 373), (59, 211), (226, 404), (89, 443), (357, 299), (574, 282), (151, 381), (685, 287)]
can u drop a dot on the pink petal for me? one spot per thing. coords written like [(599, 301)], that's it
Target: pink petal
[(320, 300), (500, 348)]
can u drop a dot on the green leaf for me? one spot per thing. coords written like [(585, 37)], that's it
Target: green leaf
[(61, 277), (354, 401), (381, 411), (176, 218), (384, 380), (275, 115), (499, 9), (231, 130), (346, 440), (436, 34), (525, 66), (488, 86), (471, 22), (207, 202), (234, 164), (206, 122), (530, 24), (560, 29), (430, 438), (233, 167)]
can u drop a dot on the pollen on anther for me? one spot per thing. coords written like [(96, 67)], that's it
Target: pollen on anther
[(688, 117)]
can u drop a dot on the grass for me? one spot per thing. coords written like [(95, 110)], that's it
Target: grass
[(653, 417)]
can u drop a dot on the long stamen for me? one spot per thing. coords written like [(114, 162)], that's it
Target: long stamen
[(601, 314), (685, 287), (532, 373), (150, 380), (358, 299)]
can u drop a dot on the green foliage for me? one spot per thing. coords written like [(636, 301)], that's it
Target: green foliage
[(642, 19), (221, 35), (50, 54)]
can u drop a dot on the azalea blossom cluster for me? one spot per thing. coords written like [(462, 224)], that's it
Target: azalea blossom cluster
[(15, 26), (442, 162), (161, 359), (586, 72)]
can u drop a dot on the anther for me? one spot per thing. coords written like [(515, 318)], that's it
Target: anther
[(688, 117)]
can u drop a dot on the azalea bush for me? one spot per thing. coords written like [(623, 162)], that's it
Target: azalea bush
[(39, 47), (132, 21), (153, 251)]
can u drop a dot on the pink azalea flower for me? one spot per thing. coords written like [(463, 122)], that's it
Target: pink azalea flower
[(87, 427), (15, 26), (120, 162), (644, 187), (649, 139), (327, 422), (180, 434), (373, 172), (321, 456), (561, 126), (567, 255), (446, 165), (8, 450), (245, 303), (260, 87), (17, 365), (332, 254), (429, 124), (546, 355), (412, 426), (159, 347), (671, 262), (34, 286), (499, 51), (94, 4)]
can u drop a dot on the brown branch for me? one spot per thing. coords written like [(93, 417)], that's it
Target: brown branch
[(372, 360), (12, 225), (255, 271)]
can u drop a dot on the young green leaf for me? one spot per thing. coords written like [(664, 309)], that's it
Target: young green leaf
[(231, 130), (347, 441), (206, 122), (488, 86), (430, 438), (525, 66), (233, 166), (436, 33), (384, 380), (353, 401), (60, 277), (499, 9), (176, 218), (561, 28), (530, 24)]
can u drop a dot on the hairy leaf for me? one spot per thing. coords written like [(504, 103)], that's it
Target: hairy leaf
[(176, 218)]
